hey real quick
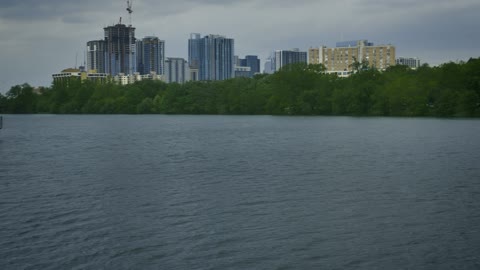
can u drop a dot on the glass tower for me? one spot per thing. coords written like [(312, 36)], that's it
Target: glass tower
[(151, 55), (96, 56), (213, 55), (287, 57)]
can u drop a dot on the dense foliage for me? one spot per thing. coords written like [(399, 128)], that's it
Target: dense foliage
[(452, 89)]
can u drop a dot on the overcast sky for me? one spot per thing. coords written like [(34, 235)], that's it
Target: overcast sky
[(42, 37)]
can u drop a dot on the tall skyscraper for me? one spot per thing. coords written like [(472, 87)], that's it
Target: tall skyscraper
[(120, 49), (213, 55), (151, 55), (96, 56), (177, 70), (194, 50), (139, 55), (287, 57)]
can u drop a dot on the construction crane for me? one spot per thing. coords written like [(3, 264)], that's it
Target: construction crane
[(130, 36), (130, 10)]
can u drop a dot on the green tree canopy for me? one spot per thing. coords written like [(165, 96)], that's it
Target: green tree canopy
[(449, 90)]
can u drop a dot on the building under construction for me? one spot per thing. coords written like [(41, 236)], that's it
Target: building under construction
[(120, 49)]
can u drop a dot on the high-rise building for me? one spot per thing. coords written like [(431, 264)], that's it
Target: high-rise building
[(250, 61), (194, 50), (96, 56), (237, 61), (139, 55), (412, 63), (120, 49), (177, 70), (287, 57), (269, 66), (315, 55), (151, 56), (213, 55), (253, 62), (340, 59)]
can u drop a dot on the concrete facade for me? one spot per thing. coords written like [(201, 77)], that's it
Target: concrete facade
[(412, 63), (177, 70), (340, 59)]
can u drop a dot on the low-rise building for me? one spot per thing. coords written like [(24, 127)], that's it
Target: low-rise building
[(124, 79), (69, 74), (411, 62), (194, 74), (241, 71)]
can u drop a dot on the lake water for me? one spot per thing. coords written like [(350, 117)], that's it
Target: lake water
[(239, 192)]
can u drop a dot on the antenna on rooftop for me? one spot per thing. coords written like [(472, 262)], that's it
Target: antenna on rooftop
[(76, 58)]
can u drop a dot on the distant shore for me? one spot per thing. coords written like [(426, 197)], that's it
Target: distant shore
[(450, 90)]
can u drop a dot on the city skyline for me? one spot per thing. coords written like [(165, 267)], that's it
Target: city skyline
[(47, 37)]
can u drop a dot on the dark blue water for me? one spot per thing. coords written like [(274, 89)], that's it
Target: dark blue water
[(233, 192)]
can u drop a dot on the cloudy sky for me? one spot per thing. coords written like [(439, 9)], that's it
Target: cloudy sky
[(41, 37)]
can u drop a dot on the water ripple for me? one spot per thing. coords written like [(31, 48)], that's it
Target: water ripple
[(207, 192)]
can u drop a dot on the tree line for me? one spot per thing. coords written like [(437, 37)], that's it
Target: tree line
[(449, 90)]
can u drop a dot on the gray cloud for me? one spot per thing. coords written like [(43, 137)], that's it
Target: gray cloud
[(43, 37), (34, 10), (31, 10)]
